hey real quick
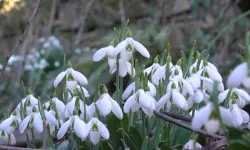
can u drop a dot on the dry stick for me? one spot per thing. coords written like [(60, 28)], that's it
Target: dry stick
[(180, 124), (82, 21), (20, 40), (52, 16), (176, 116), (16, 148), (45, 135)]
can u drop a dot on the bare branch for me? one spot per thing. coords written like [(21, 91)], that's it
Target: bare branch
[(176, 116), (82, 20), (17, 148), (20, 40), (185, 126)]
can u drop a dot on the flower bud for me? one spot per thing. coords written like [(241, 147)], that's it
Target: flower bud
[(104, 89), (156, 60), (129, 33)]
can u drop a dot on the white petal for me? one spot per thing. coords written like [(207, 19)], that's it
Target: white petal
[(222, 96), (152, 89), (188, 87), (116, 109), (243, 94), (246, 83), (38, 123), (79, 77), (162, 101), (104, 105), (122, 68), (90, 111), (212, 126), (112, 65), (179, 100), (80, 128), (125, 55), (198, 96), (128, 90), (129, 69), (148, 70), (201, 116), (226, 116), (190, 145), (12, 139), (160, 73), (237, 114), (71, 85), (103, 130), (145, 100), (24, 124), (237, 75), (95, 137), (129, 103), (7, 122), (244, 115), (121, 46), (141, 49), (195, 81), (100, 54), (190, 102), (59, 78), (70, 106), (64, 128), (111, 51), (214, 75), (50, 118)]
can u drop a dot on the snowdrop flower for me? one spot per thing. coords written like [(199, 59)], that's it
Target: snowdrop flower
[(125, 67), (60, 106), (73, 78), (239, 75), (173, 95), (204, 117), (90, 111), (238, 96), (106, 104), (160, 73), (33, 120), (80, 128), (208, 84), (140, 99), (201, 66), (10, 124), (30, 101), (80, 89), (129, 44), (153, 67), (97, 129), (106, 51), (239, 115), (131, 87), (5, 137), (190, 145)]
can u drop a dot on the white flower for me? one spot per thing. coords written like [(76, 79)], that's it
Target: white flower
[(129, 44), (80, 127), (30, 101), (208, 84), (190, 145), (5, 138), (160, 73), (90, 110), (140, 99), (238, 75), (239, 115), (97, 129), (202, 117), (33, 120), (10, 124), (72, 105), (106, 51), (106, 104), (131, 87), (152, 68), (176, 97), (80, 89), (237, 96), (201, 66), (73, 78), (124, 67), (60, 106)]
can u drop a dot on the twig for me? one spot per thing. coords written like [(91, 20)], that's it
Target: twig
[(20, 40), (122, 12), (82, 21), (180, 124), (176, 116), (16, 148), (52, 16), (45, 135)]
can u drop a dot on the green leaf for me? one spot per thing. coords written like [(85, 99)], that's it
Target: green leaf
[(136, 137), (63, 145), (127, 139), (106, 145), (145, 143)]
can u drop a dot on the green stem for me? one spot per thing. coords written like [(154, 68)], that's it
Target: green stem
[(117, 80)]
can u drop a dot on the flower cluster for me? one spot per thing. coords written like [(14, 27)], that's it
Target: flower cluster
[(163, 86)]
